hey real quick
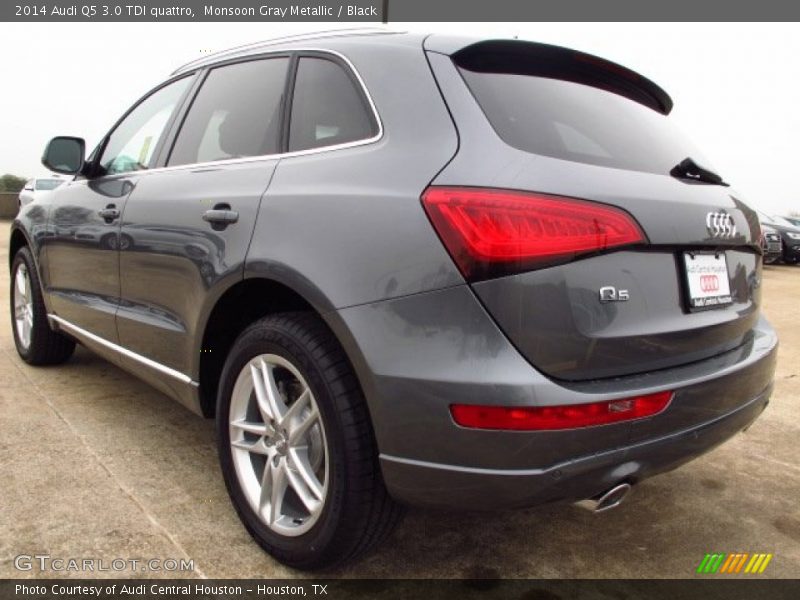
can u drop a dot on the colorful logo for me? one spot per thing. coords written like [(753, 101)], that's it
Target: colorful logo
[(738, 562), (709, 283)]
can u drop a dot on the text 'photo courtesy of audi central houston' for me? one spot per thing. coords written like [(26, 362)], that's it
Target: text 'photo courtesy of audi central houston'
[(401, 269)]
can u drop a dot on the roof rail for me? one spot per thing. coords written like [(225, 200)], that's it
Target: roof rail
[(287, 38)]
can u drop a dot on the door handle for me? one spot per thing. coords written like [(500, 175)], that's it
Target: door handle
[(221, 216), (109, 213)]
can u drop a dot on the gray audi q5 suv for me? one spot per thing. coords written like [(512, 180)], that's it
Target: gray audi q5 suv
[(406, 269)]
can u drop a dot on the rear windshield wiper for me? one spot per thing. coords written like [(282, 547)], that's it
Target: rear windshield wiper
[(688, 169)]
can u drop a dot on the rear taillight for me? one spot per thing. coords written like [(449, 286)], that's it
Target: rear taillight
[(533, 418), (494, 232)]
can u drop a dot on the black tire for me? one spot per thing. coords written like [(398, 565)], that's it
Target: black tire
[(789, 260), (358, 513), (109, 241), (46, 347)]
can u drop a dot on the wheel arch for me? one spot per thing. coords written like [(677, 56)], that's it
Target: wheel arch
[(18, 240), (246, 301)]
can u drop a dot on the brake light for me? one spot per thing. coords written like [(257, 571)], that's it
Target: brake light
[(492, 232), (534, 418)]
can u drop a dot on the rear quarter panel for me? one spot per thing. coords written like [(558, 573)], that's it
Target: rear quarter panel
[(346, 227)]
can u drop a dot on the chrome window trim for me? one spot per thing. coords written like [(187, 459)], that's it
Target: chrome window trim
[(72, 328), (246, 49), (281, 155)]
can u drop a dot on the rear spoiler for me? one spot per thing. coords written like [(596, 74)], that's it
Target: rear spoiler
[(554, 62)]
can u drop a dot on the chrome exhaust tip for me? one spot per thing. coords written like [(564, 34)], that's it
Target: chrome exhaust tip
[(607, 500)]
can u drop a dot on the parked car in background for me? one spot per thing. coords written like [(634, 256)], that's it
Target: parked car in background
[(793, 220), (525, 290), (790, 236), (770, 244), (34, 188)]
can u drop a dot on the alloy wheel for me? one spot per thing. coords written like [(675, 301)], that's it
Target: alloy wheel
[(23, 306), (278, 445)]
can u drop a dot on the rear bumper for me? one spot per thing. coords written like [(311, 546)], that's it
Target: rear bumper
[(447, 486), (417, 355)]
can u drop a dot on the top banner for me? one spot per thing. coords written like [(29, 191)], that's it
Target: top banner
[(386, 11)]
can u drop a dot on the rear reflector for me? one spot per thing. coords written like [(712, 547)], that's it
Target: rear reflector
[(495, 232), (535, 418)]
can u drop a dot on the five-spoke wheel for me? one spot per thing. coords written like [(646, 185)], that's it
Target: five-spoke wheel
[(37, 343), (296, 445), (278, 444), (23, 305)]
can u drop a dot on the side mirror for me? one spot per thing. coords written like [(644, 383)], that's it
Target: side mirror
[(64, 154)]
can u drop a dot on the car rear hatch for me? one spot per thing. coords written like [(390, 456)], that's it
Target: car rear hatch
[(587, 225)]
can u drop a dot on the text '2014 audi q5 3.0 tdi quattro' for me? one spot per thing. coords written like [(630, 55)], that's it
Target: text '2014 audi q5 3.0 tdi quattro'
[(406, 269)]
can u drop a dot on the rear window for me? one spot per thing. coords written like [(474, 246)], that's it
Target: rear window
[(578, 122)]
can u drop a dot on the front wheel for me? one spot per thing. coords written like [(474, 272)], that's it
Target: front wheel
[(296, 446), (36, 343)]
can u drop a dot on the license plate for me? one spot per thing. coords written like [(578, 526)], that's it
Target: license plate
[(707, 279)]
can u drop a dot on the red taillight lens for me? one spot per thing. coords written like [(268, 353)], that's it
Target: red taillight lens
[(493, 232), (535, 418)]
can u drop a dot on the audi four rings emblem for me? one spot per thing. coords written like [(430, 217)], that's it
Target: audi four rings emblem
[(709, 283), (720, 225)]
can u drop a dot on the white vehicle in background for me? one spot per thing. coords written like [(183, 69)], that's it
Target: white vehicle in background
[(34, 188)]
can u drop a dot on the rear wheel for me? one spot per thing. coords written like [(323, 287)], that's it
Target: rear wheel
[(296, 445), (36, 342)]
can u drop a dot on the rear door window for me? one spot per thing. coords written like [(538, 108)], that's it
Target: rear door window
[(236, 114), (328, 107)]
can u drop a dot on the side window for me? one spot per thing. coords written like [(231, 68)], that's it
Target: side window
[(236, 113), (131, 145), (328, 107)]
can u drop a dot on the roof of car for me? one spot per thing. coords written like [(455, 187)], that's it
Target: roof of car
[(547, 60), (294, 41)]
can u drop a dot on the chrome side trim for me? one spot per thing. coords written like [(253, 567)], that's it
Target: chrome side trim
[(123, 351)]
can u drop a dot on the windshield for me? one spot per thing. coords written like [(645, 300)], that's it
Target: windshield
[(578, 122), (782, 221), (48, 184), (773, 220)]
